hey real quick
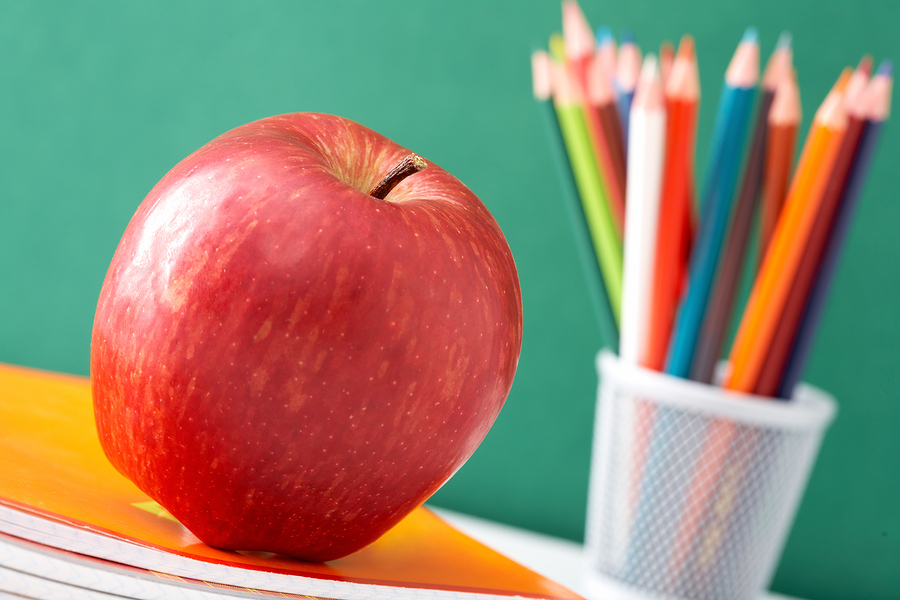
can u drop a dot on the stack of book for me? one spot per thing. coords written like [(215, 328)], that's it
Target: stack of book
[(73, 527)]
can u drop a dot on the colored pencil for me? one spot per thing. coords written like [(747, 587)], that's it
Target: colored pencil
[(784, 120), (602, 104), (568, 100), (877, 111), (825, 133), (628, 68), (605, 95), (775, 360), (715, 319), (645, 165), (542, 79), (778, 272), (682, 101), (578, 39), (578, 51), (724, 165), (652, 439)]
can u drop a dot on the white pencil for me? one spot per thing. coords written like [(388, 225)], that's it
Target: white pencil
[(646, 150)]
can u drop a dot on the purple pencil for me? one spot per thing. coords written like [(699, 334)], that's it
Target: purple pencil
[(878, 111)]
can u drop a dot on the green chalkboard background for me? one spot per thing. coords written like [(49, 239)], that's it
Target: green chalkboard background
[(98, 99)]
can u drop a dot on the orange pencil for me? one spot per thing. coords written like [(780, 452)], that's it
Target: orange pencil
[(776, 275), (682, 100)]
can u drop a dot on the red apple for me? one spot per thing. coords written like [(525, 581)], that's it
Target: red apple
[(290, 364)]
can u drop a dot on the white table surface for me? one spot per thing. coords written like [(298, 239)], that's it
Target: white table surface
[(555, 558)]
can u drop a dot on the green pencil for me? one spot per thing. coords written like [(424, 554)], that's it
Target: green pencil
[(606, 241), (541, 71)]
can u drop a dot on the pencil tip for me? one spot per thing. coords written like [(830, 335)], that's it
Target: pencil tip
[(886, 68), (784, 40), (750, 35), (604, 35), (627, 37)]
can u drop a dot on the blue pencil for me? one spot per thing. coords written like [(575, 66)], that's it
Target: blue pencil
[(724, 166)]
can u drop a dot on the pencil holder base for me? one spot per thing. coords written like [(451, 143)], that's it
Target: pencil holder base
[(693, 488)]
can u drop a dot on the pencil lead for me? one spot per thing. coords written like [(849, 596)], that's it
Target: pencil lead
[(784, 40), (604, 35), (627, 37), (686, 47), (886, 68), (750, 35)]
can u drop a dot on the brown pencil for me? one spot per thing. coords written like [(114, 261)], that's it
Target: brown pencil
[(784, 119), (721, 302)]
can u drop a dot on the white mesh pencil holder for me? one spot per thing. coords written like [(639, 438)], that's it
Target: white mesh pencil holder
[(693, 489)]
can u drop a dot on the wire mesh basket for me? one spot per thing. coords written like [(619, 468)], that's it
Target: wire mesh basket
[(694, 488)]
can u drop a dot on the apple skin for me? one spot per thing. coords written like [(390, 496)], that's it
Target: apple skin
[(288, 364)]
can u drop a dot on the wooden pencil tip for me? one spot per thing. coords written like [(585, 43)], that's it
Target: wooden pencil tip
[(784, 40), (856, 86), (628, 67), (577, 33), (832, 112), (686, 47), (541, 75), (605, 36), (780, 63), (786, 108), (557, 47), (865, 64), (566, 90), (879, 94), (648, 95), (599, 81), (743, 70), (751, 36)]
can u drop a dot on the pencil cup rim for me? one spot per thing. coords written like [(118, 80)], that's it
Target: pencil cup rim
[(811, 409)]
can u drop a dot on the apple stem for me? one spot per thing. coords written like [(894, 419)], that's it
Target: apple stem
[(409, 165)]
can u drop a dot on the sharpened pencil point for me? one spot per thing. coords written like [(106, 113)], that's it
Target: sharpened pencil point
[(604, 35), (627, 37), (784, 40), (886, 68), (750, 35)]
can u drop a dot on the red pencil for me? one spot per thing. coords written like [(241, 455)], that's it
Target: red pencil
[(682, 99)]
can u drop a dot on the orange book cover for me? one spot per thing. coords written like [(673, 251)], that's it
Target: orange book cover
[(57, 489)]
